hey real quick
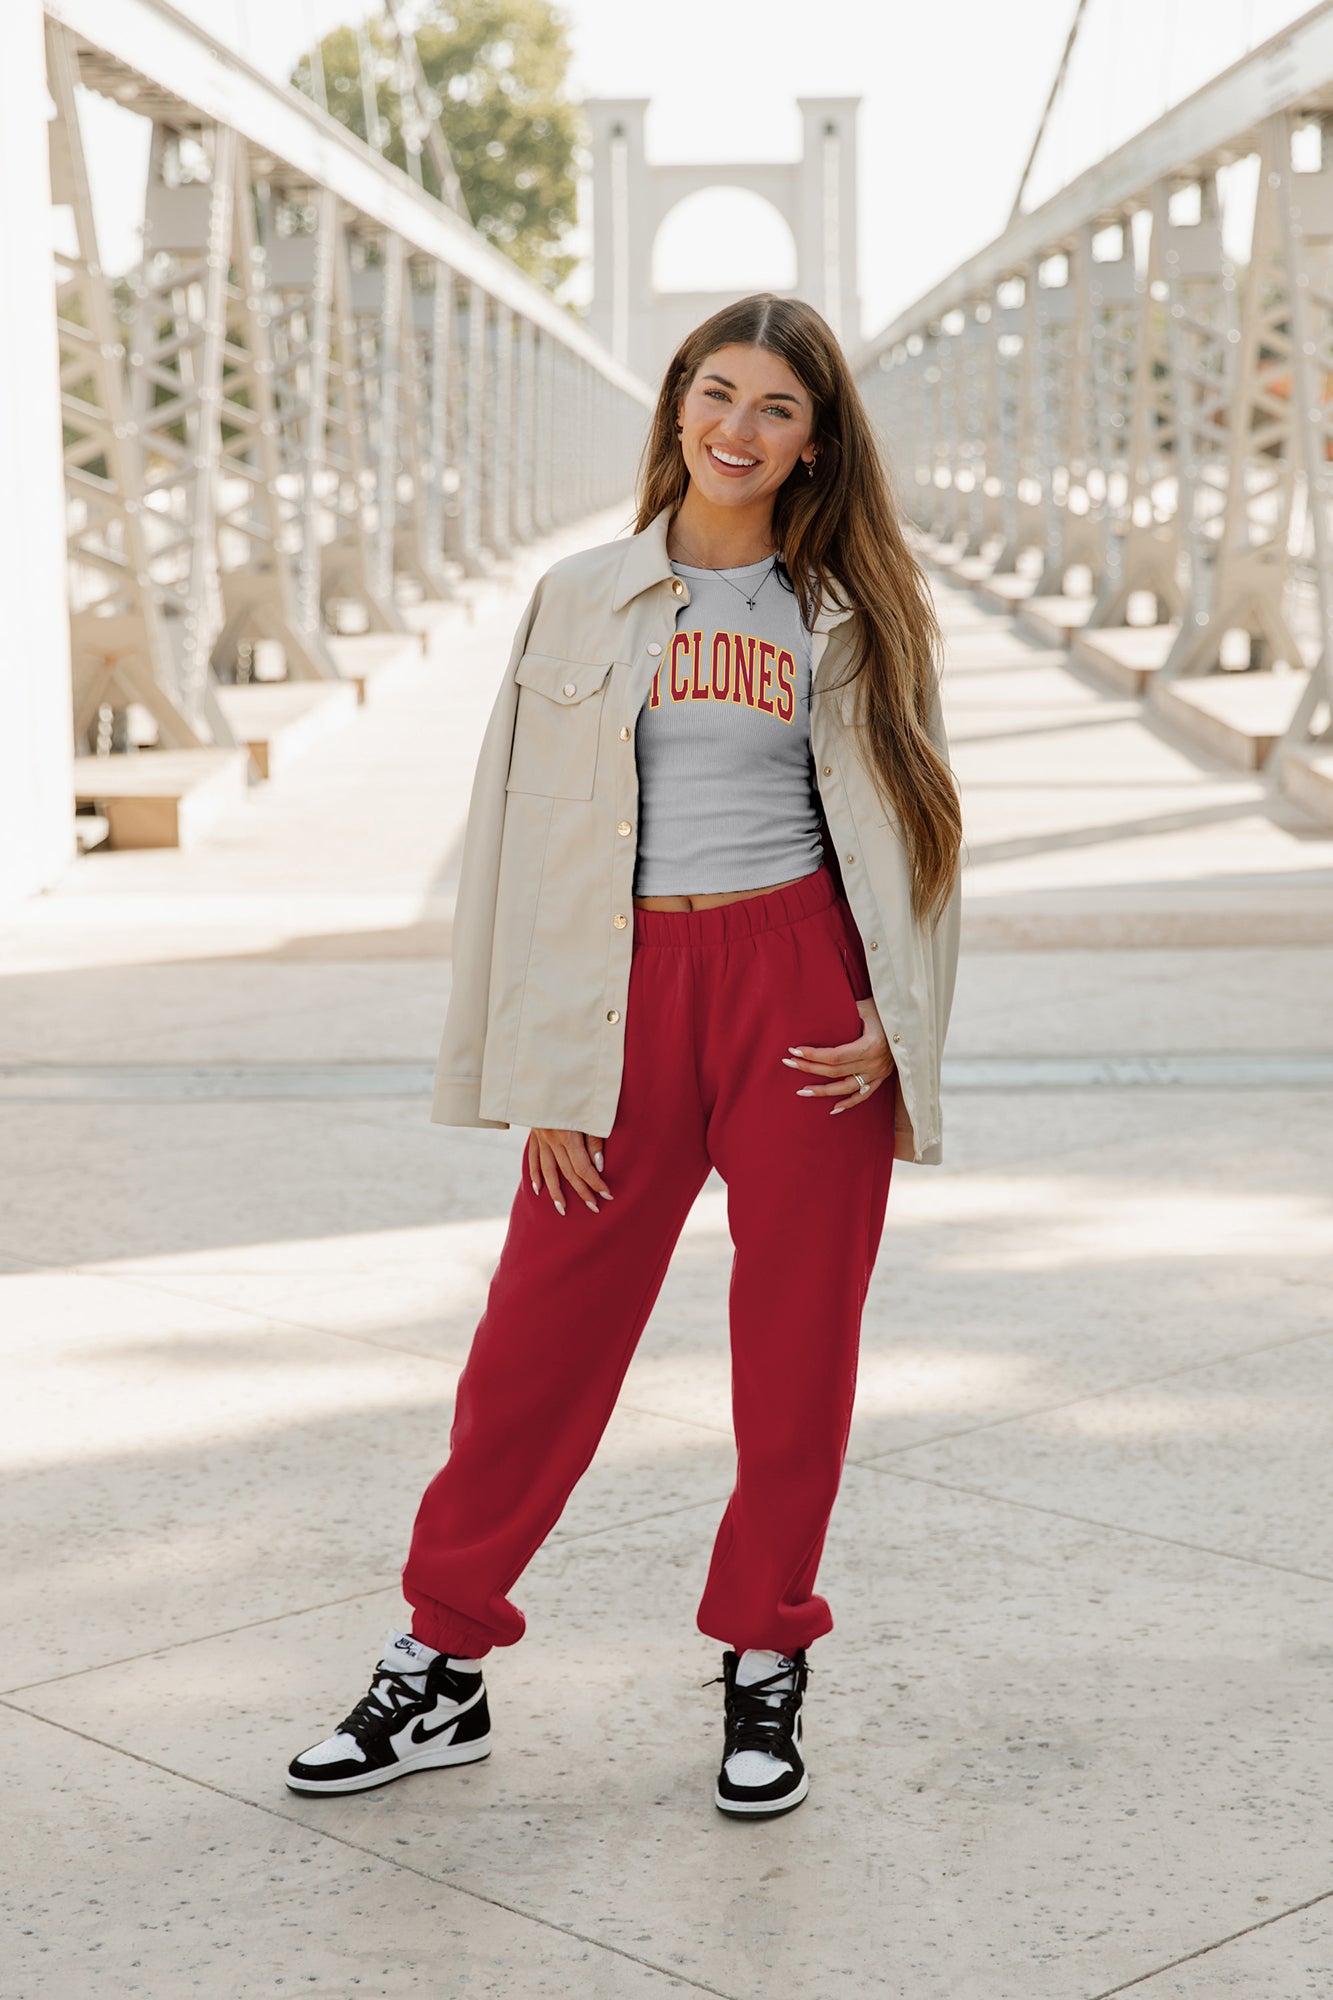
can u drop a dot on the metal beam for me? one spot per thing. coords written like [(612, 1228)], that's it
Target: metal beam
[(150, 40), (1220, 122)]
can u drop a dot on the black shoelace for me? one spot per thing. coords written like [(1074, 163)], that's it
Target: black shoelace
[(376, 1711), (752, 1721)]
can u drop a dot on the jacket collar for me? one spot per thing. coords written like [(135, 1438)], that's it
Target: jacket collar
[(645, 562)]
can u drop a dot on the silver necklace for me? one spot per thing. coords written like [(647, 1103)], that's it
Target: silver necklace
[(738, 588)]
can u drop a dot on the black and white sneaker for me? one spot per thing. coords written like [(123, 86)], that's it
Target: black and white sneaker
[(424, 1709), (762, 1771)]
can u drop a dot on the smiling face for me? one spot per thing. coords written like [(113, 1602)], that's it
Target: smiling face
[(745, 420)]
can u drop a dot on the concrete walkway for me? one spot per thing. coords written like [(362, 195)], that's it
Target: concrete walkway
[(1073, 1735)]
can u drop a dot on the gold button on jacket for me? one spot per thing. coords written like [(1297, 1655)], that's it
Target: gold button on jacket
[(534, 1031)]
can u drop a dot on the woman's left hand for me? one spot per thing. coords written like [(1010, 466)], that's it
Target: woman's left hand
[(868, 1057)]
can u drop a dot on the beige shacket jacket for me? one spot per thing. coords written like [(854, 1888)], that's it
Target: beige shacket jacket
[(543, 923)]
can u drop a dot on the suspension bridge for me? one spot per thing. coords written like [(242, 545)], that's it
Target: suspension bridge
[(322, 399), (276, 495)]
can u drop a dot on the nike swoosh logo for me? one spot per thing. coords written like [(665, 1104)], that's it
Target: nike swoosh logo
[(419, 1732)]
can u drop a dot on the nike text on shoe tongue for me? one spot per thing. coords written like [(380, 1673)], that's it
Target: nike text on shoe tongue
[(406, 1655)]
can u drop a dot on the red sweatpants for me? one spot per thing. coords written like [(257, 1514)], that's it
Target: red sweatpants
[(716, 997)]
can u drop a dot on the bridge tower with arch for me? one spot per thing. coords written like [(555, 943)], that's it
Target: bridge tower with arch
[(815, 195)]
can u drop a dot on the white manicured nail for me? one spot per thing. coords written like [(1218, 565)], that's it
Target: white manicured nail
[(790, 1064), (598, 1162), (807, 1092), (560, 1208)]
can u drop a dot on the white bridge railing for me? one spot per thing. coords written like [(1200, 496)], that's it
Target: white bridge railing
[(320, 386), (1113, 405)]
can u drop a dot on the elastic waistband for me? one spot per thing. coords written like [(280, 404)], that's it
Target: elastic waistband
[(766, 911)]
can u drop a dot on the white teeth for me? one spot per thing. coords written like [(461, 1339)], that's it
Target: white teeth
[(727, 458)]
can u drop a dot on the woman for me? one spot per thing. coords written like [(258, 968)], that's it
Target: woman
[(707, 916)]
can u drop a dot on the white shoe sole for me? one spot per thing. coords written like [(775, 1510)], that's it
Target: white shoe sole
[(423, 1760), (763, 1808)]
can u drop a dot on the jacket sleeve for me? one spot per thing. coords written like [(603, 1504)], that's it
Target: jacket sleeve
[(946, 933), (457, 1093), (943, 945)]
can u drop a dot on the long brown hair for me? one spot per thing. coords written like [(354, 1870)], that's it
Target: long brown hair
[(840, 537)]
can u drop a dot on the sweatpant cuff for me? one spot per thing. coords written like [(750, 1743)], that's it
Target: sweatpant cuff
[(449, 1631)]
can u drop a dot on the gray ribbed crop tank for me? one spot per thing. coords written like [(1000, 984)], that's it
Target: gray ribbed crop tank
[(727, 796)]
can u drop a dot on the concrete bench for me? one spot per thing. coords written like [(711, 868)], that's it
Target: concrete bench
[(1126, 657), (972, 569), (1052, 620), (90, 830), (1238, 716), (161, 798), (434, 617), (370, 662), (278, 721), (1307, 776), (1007, 592)]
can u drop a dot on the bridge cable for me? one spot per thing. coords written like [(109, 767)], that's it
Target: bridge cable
[(1070, 40)]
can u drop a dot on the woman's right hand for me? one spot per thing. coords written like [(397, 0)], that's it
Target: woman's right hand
[(577, 1155)]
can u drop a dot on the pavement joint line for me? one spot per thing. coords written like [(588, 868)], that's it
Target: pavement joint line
[(634, 1408), (393, 1861), (637, 1521), (162, 1287), (358, 1847), (390, 1347), (196, 1639), (1081, 787), (263, 1317), (361, 1341), (556, 1541), (1091, 1521), (674, 1416), (1095, 1395), (231, 1082), (158, 1286), (1188, 1958)]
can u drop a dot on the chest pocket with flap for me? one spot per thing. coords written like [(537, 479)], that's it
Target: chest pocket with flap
[(557, 726)]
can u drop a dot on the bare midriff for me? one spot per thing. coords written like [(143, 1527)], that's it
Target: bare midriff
[(711, 899)]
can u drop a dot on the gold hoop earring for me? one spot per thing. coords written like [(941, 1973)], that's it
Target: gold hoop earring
[(810, 468)]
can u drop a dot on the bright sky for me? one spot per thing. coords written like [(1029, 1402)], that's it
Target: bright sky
[(952, 92)]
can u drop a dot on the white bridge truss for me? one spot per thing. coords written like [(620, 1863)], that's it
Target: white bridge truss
[(318, 385), (1107, 389)]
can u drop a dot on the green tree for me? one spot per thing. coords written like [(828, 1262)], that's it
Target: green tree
[(498, 70)]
